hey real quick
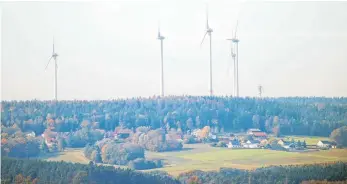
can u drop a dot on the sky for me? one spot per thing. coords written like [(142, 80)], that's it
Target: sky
[(109, 49)]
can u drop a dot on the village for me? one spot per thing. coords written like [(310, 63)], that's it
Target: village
[(251, 139)]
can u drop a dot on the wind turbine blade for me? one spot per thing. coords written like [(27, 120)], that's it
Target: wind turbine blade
[(158, 29), (48, 62), (203, 39), (53, 44), (207, 26)]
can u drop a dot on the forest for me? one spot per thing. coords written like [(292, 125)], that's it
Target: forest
[(270, 175), (314, 116), (42, 172), (36, 172)]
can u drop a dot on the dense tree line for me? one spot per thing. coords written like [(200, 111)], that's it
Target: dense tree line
[(339, 135), (110, 151), (42, 172), (36, 171), (113, 152), (269, 175), (324, 182), (304, 116), (15, 143), (142, 164), (157, 140)]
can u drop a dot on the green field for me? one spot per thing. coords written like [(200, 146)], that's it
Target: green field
[(214, 158), (310, 140), (204, 157), (74, 155)]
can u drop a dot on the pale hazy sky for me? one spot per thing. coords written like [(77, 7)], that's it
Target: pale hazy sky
[(109, 50)]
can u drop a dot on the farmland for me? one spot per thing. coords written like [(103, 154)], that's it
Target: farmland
[(310, 140), (204, 157)]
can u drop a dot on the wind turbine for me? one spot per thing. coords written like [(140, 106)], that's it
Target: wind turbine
[(260, 90), (233, 55), (161, 38), (54, 56), (209, 31)]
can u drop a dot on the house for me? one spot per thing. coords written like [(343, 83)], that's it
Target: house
[(174, 136), (260, 135), (212, 136), (286, 144), (196, 132), (264, 142), (252, 130), (122, 133), (226, 140), (234, 144), (326, 144), (30, 134), (252, 144), (289, 146), (283, 142)]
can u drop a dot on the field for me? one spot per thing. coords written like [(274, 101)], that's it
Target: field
[(204, 157), (74, 155), (310, 140), (207, 158)]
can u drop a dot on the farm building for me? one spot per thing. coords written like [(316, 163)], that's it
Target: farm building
[(252, 130), (283, 142), (234, 144), (260, 135), (326, 144), (252, 144)]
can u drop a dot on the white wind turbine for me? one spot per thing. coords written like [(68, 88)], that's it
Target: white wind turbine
[(161, 38), (235, 56), (209, 31), (54, 56)]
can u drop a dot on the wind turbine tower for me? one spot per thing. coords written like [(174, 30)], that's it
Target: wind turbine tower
[(54, 56), (233, 55), (161, 38), (236, 44), (260, 90), (209, 32)]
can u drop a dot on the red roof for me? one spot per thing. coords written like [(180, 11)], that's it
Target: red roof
[(259, 134)]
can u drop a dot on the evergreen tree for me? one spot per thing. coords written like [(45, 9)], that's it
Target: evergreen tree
[(44, 147), (304, 144), (60, 145), (299, 144)]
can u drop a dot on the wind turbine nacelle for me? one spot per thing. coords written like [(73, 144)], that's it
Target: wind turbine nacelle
[(161, 37), (235, 40)]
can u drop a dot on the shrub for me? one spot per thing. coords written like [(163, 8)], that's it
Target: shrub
[(221, 144), (115, 153), (189, 139), (142, 164)]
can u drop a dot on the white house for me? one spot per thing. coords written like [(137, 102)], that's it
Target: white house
[(325, 144), (234, 144), (30, 134), (289, 146), (196, 132), (212, 136), (252, 144), (252, 130)]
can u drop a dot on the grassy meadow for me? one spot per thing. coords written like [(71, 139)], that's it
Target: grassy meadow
[(204, 157), (310, 140)]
